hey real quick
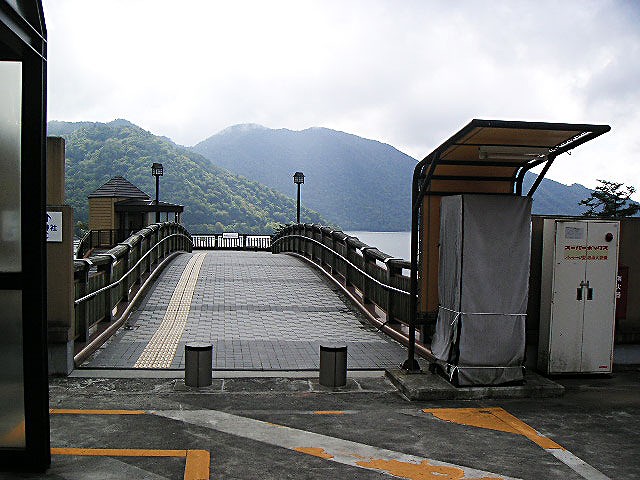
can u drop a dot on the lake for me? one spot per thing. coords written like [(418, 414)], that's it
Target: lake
[(396, 244)]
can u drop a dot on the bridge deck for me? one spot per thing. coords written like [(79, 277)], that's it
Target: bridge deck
[(259, 311)]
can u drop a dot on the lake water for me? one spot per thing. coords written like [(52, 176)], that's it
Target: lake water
[(396, 244)]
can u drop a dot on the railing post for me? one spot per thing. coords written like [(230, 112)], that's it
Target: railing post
[(138, 256), (126, 280), (147, 241), (349, 253), (366, 260), (392, 270), (153, 256), (295, 244), (308, 233), (316, 251), (107, 295), (175, 240), (162, 235), (322, 256), (82, 321), (334, 251)]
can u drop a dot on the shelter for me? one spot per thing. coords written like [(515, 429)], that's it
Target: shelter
[(486, 157), (120, 205)]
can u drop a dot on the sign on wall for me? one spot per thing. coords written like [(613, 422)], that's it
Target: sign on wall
[(54, 226)]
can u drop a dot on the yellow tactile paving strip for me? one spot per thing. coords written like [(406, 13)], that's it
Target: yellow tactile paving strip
[(161, 349)]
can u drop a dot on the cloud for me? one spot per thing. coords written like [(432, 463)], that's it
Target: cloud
[(406, 73)]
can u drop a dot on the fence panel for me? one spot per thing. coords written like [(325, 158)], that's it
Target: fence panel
[(121, 267)]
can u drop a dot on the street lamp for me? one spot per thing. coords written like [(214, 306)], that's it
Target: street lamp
[(298, 179), (157, 171)]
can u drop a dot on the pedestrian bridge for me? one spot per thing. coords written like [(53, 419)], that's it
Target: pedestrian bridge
[(261, 311)]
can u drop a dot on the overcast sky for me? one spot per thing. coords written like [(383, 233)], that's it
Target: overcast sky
[(407, 73)]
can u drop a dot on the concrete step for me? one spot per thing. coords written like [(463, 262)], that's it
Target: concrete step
[(431, 386)]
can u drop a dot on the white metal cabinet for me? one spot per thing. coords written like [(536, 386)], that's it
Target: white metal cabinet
[(577, 307)]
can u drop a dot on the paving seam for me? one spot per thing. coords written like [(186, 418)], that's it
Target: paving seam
[(161, 349)]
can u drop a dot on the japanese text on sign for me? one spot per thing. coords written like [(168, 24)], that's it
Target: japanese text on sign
[(586, 252), (54, 226)]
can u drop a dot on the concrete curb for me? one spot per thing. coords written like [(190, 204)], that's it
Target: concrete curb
[(428, 386)]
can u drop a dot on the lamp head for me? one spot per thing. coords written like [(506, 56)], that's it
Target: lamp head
[(157, 169)]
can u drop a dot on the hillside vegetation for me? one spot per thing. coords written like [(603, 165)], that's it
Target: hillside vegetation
[(214, 198), (359, 184), (354, 183)]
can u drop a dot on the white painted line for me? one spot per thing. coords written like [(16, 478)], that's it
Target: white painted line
[(335, 449), (579, 466), (161, 349)]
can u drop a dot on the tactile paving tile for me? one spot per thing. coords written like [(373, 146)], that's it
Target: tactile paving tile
[(162, 347)]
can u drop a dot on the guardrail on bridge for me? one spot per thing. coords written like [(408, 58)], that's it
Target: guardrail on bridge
[(105, 281), (101, 239), (231, 241), (377, 277)]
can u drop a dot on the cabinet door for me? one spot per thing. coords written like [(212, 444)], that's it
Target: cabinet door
[(600, 298), (567, 307)]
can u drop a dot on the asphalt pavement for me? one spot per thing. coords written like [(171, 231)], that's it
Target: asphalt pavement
[(278, 428)]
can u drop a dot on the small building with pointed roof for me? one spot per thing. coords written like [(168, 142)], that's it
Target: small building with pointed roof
[(120, 205)]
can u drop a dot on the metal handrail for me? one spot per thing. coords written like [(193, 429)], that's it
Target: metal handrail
[(124, 276), (383, 285)]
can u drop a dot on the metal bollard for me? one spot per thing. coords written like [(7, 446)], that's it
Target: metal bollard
[(333, 365), (198, 359)]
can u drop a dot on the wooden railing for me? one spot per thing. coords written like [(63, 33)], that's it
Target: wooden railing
[(378, 278), (231, 241), (101, 239), (105, 281)]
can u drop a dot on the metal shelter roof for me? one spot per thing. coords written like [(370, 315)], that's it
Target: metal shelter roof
[(492, 156), (485, 156)]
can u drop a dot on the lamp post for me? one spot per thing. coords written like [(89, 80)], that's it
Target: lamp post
[(157, 171), (298, 179)]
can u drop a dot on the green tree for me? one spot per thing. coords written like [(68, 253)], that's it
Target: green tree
[(611, 200)]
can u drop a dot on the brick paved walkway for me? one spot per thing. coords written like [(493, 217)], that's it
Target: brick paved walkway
[(259, 311)]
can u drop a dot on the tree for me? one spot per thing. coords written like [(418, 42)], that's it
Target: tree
[(610, 201)]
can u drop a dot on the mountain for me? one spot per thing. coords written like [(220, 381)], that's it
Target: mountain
[(555, 198), (214, 198), (357, 183)]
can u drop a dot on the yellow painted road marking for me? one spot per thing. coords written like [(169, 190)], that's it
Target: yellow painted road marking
[(330, 448), (118, 452), (316, 452), (494, 418), (161, 349), (73, 411), (422, 471), (526, 431), (196, 467), (328, 412)]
